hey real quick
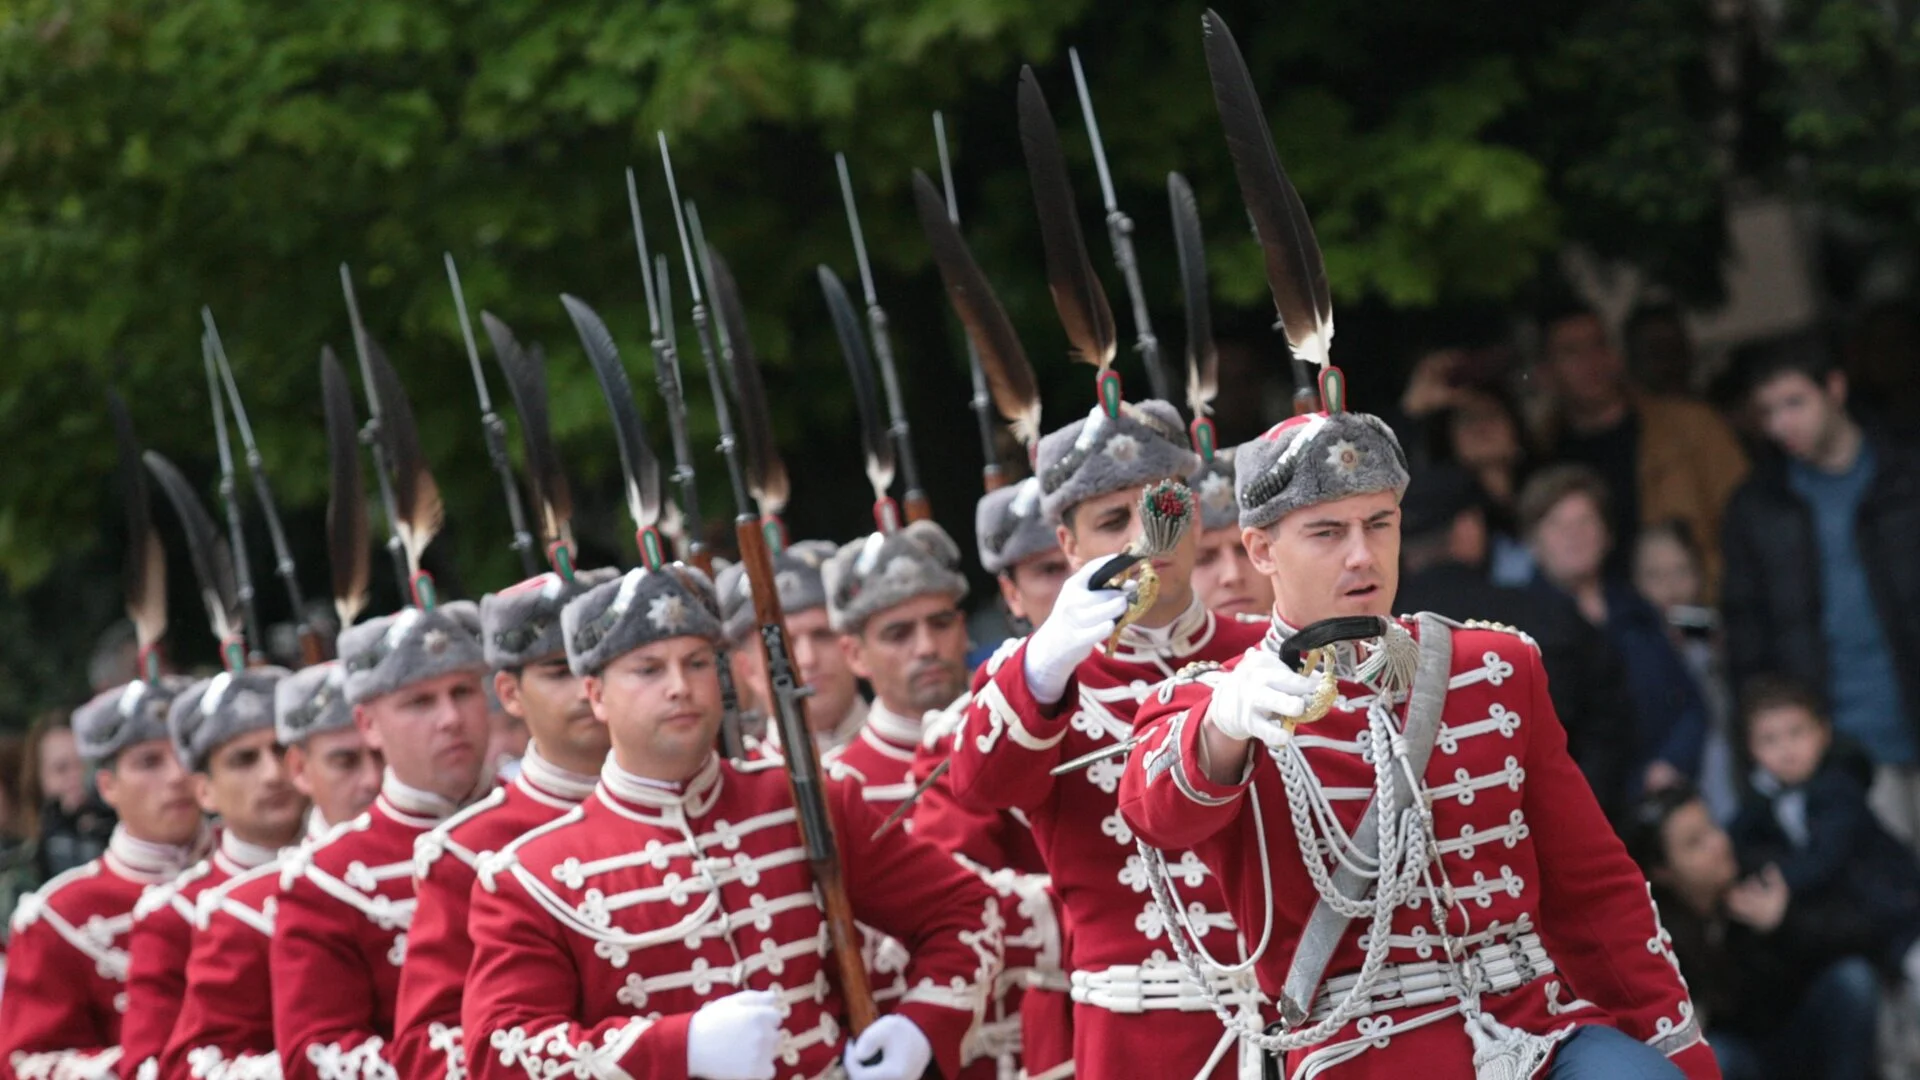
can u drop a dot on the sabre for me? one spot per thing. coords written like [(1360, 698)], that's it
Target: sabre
[(992, 476), (370, 435), (312, 649), (1120, 232), (249, 612), (496, 431), (917, 507), (666, 374)]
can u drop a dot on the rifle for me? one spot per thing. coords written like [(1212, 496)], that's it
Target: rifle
[(992, 477), (917, 507), (312, 649), (242, 576), (496, 432), (370, 434), (666, 374)]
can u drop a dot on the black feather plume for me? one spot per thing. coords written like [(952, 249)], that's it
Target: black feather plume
[(641, 468), (874, 436), (1203, 359), (526, 372), (1016, 394), (348, 546), (766, 473), (415, 496), (146, 567), (1295, 271), (212, 559), (1077, 294)]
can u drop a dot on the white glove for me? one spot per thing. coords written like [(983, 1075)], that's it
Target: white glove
[(734, 1037), (894, 1048), (1258, 696), (1081, 619)]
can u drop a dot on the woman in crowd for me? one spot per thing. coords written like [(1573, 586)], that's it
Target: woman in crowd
[(1667, 572)]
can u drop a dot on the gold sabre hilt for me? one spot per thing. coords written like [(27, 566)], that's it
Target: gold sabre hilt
[(1318, 660)]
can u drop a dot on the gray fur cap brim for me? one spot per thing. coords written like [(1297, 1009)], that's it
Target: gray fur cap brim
[(520, 624), (1010, 526), (881, 570), (1099, 454), (1213, 485), (796, 576), (310, 701), (126, 715), (213, 712), (637, 609), (1313, 459), (410, 646)]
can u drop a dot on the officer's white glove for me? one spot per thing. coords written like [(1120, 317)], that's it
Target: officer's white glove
[(894, 1048), (1081, 619), (734, 1037), (1256, 698)]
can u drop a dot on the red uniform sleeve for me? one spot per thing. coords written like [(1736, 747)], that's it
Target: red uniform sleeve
[(525, 991), (1165, 796), (156, 981), (1596, 914), (50, 1025), (1010, 742), (324, 1018), (426, 1029), (225, 1030)]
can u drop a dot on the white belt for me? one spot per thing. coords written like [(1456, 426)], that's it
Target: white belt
[(1131, 988), (1494, 968)]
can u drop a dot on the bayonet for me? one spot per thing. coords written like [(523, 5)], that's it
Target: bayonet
[(666, 374), (252, 632), (1120, 232), (370, 435), (917, 506), (496, 431), (213, 565), (311, 649), (991, 475)]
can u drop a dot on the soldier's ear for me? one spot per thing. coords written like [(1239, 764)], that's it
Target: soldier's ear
[(1259, 545)]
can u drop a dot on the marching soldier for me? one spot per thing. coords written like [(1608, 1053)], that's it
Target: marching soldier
[(413, 679), (520, 633), (1056, 695), (835, 710), (222, 730), (1223, 578), (669, 926), (65, 995), (225, 1029), (1017, 546)]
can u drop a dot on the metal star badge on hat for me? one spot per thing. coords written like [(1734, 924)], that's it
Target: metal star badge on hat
[(667, 612)]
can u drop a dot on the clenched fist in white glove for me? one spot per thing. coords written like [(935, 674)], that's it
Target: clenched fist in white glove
[(1258, 697), (894, 1048), (1081, 619), (734, 1037)]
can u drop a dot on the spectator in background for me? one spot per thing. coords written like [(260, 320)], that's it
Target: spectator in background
[(1661, 457), (1443, 557), (1659, 348), (1457, 410), (1774, 1001), (71, 824), (1666, 570), (1563, 512), (1823, 584)]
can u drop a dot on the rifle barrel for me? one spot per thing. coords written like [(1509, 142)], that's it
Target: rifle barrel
[(495, 430), (991, 475), (370, 434)]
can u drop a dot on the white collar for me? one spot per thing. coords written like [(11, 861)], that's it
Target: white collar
[(411, 802), (144, 860), (692, 798), (893, 728), (544, 778), (1190, 629), (241, 856)]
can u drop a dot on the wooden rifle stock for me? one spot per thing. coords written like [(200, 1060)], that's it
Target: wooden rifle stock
[(803, 772), (918, 508), (993, 478)]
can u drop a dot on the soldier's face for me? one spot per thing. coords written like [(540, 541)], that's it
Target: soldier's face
[(1331, 559), (1105, 524), (914, 654), (1224, 578), (148, 788), (823, 667), (661, 705), (552, 700), (338, 771), (1031, 585), (433, 733), (247, 785)]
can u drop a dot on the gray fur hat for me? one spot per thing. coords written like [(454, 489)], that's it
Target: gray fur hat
[(796, 575), (131, 713), (880, 570), (520, 624), (310, 701), (1315, 458), (1099, 454), (212, 712), (411, 645), (1219, 508), (1010, 526), (638, 608)]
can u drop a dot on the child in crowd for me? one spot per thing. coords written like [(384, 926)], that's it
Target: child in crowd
[(1667, 571)]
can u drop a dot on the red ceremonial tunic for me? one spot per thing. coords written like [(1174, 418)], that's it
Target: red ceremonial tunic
[(158, 946), (1129, 1016), (340, 936), (597, 936), (225, 1029), (1541, 890), (65, 994), (426, 1042)]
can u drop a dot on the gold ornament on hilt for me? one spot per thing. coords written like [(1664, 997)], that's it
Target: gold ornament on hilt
[(1167, 510)]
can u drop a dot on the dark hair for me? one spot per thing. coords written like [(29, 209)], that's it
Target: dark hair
[(1553, 485), (1764, 692), (31, 793), (1644, 829), (1806, 353), (1562, 309)]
